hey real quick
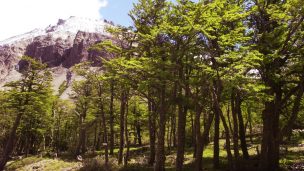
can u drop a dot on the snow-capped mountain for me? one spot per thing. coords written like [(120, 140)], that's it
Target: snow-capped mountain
[(60, 46), (63, 29)]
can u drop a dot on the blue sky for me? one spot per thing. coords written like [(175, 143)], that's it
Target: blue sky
[(117, 11)]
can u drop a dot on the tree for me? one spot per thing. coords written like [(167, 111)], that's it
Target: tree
[(277, 35), (83, 96), (29, 96)]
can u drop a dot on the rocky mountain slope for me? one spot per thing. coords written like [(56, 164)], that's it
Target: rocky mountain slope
[(59, 46)]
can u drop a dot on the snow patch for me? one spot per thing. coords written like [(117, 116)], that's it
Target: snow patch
[(63, 29)]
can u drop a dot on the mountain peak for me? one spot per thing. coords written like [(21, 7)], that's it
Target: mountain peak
[(63, 29)]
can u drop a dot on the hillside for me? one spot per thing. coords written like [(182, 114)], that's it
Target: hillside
[(59, 46)]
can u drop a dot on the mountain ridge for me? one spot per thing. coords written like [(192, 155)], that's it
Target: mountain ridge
[(71, 25), (60, 46)]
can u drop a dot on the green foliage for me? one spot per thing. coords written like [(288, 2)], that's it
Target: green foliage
[(62, 88), (31, 97), (180, 57)]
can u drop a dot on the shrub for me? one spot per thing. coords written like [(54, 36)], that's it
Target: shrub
[(98, 164)]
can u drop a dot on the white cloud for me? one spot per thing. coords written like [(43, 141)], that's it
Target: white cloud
[(20, 16)]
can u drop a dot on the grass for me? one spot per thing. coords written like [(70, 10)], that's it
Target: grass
[(23, 162), (139, 157), (59, 164), (47, 164)]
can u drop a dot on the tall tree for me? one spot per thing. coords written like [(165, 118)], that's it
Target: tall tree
[(83, 96), (30, 95), (277, 35)]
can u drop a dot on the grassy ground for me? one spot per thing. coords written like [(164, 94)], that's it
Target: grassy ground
[(139, 158), (43, 163)]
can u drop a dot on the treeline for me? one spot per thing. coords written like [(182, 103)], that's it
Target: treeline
[(186, 72)]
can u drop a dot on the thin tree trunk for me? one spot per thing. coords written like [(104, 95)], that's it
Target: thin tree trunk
[(219, 112), (228, 148), (286, 130), (197, 131), (170, 135), (81, 139), (250, 123), (137, 127), (105, 134), (242, 130), (152, 128), (127, 136), (202, 141), (174, 128), (10, 142), (216, 147), (122, 123), (95, 138), (229, 117), (235, 126), (193, 141), (84, 140), (98, 143), (198, 138), (112, 118)]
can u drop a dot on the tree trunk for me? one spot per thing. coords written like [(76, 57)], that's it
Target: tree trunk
[(228, 148), (105, 134), (152, 135), (174, 128), (250, 123), (218, 111), (127, 136), (287, 129), (228, 117), (216, 148), (242, 130), (98, 143), (160, 151), (181, 137), (198, 138), (270, 141), (197, 131), (95, 138), (10, 142), (169, 135), (202, 142), (182, 117), (235, 126), (81, 140), (193, 137), (112, 118), (122, 118), (137, 127)]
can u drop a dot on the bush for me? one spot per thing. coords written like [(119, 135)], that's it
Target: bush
[(62, 88), (98, 164)]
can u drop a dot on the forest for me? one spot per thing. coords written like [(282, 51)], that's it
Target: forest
[(204, 85)]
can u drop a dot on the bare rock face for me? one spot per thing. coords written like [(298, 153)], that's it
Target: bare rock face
[(66, 53), (79, 51), (62, 45), (48, 50), (8, 60)]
